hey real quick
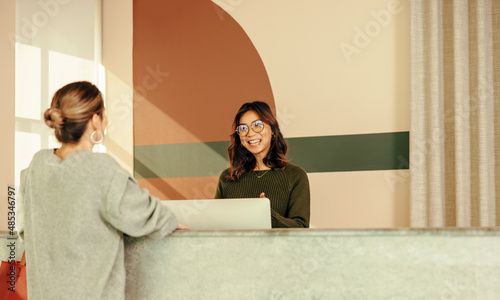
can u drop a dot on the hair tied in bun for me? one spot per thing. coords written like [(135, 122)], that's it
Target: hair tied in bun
[(54, 118)]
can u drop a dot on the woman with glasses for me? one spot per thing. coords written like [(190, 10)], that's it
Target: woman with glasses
[(258, 167)]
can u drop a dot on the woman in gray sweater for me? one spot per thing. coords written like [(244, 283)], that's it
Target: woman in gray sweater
[(76, 205)]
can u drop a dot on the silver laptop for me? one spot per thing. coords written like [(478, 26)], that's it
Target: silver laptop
[(221, 214)]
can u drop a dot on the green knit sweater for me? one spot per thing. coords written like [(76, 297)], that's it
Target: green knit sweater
[(288, 191)]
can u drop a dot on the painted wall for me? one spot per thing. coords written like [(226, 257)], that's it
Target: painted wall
[(339, 68), (355, 83), (7, 103), (336, 73)]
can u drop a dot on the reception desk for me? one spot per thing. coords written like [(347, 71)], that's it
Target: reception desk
[(315, 264)]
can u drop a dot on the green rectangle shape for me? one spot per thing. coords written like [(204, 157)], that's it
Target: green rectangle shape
[(180, 160), (362, 152)]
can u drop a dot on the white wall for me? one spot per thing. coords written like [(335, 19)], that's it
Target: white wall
[(56, 44)]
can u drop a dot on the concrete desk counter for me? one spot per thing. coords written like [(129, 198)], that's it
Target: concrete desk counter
[(315, 264)]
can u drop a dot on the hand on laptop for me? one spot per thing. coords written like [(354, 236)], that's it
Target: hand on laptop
[(182, 226), (262, 195)]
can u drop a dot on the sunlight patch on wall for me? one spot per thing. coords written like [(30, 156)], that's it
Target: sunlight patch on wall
[(66, 68), (28, 74)]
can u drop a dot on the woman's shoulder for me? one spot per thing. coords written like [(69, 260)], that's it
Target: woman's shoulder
[(43, 154), (100, 163), (101, 157), (294, 169), (103, 160), (39, 158), (295, 173), (224, 174)]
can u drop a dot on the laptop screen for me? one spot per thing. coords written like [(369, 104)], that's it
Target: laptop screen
[(223, 214)]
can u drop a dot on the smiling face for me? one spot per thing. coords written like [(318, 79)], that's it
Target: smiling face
[(257, 143)]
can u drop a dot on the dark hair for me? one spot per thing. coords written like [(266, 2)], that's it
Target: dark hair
[(71, 108), (241, 160)]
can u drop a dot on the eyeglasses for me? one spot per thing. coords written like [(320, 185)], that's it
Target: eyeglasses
[(257, 126)]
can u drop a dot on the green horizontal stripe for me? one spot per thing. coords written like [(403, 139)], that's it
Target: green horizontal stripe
[(361, 152), (180, 160)]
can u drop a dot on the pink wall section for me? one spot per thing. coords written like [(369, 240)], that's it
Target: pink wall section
[(193, 68)]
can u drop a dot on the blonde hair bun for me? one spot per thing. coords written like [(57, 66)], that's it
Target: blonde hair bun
[(54, 118)]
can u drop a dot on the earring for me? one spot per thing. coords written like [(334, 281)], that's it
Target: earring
[(92, 138)]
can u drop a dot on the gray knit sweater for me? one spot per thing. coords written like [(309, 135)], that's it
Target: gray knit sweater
[(72, 215)]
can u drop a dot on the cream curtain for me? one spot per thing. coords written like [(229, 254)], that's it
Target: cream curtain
[(455, 113)]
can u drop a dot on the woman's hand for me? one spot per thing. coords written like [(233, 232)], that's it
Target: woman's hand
[(262, 195), (181, 226)]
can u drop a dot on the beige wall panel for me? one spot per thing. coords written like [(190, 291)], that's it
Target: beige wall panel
[(7, 104), (371, 199), (117, 63), (320, 89)]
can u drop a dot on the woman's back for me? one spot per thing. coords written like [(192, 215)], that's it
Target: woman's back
[(75, 205), (73, 214)]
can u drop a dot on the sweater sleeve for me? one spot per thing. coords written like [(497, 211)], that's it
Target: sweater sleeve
[(134, 211), (298, 205), (219, 192)]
